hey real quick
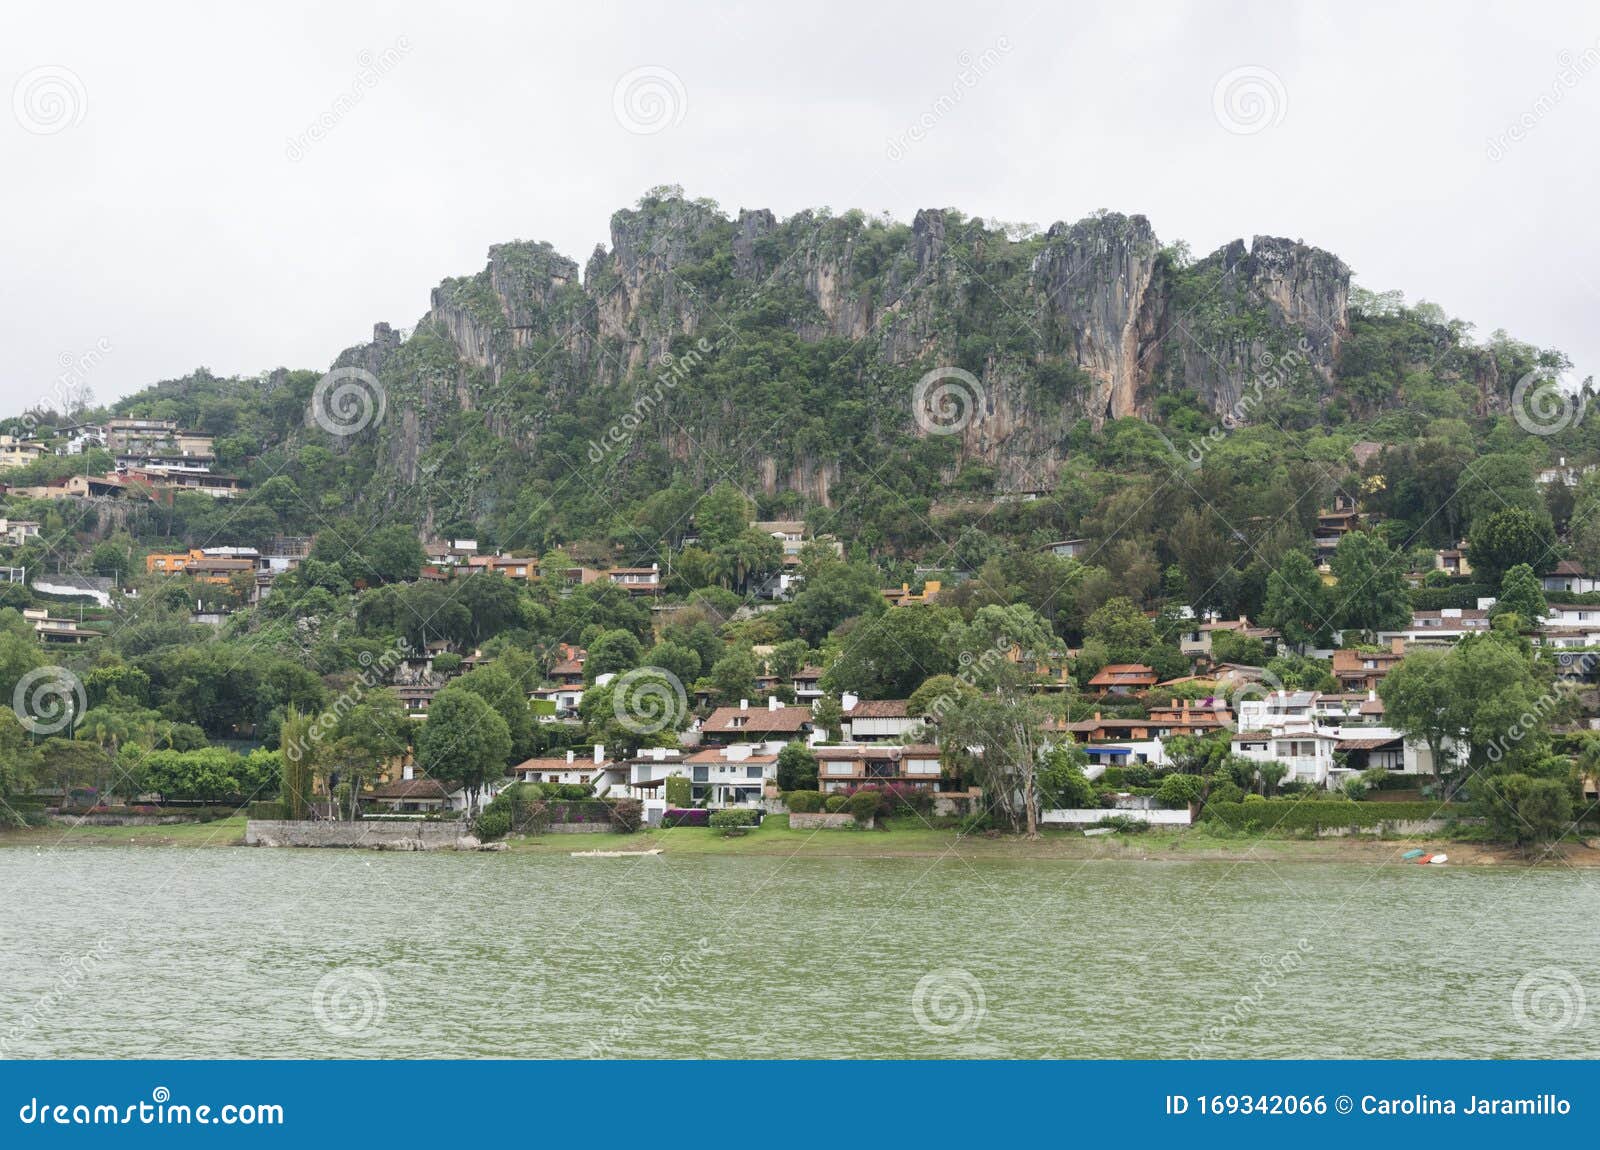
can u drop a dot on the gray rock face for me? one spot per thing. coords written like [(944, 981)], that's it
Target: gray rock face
[(1097, 302)]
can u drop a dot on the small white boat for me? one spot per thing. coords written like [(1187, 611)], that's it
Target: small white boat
[(1095, 832), (616, 854), (1436, 860)]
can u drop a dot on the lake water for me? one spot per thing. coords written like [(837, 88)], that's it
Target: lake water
[(150, 952)]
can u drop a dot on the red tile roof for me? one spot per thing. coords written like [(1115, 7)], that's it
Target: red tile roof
[(878, 709)]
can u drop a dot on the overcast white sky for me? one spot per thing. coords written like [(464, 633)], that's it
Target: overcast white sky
[(159, 209)]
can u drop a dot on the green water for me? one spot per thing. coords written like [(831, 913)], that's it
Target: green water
[(108, 952)]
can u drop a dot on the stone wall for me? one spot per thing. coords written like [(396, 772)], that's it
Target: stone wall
[(1088, 817), (578, 829), (1395, 827), (381, 836), (839, 820)]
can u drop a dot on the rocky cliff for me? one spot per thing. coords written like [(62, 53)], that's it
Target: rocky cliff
[(1087, 321)]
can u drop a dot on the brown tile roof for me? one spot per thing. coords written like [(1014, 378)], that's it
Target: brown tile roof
[(412, 789), (877, 709), (568, 667), (1125, 675), (1366, 744), (560, 764), (758, 718)]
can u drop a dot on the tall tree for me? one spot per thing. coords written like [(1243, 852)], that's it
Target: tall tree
[(1297, 604), (1370, 592), (464, 741)]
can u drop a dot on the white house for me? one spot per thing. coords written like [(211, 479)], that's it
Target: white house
[(1570, 576)]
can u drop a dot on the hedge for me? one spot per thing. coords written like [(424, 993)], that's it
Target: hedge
[(679, 817), (736, 817), (804, 802), (1304, 814)]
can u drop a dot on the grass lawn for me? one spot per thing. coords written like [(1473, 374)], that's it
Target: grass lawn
[(218, 833)]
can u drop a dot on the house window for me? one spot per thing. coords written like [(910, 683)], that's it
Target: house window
[(752, 772), (702, 774)]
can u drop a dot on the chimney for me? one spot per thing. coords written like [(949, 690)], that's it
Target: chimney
[(772, 702), (848, 701), (408, 772), (1397, 645), (599, 753), (569, 756)]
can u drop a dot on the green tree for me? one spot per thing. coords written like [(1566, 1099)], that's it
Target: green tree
[(1521, 594), (797, 768), (887, 656), (611, 654), (1297, 604), (1525, 810), (1370, 593), (1506, 538), (464, 742)]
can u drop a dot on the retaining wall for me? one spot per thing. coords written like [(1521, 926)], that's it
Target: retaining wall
[(822, 821), (380, 836)]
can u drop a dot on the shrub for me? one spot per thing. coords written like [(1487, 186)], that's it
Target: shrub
[(1124, 825), (1255, 798), (804, 802), (493, 824), (1177, 791), (686, 817), (735, 817), (267, 809), (1224, 791), (835, 803), (864, 804), (627, 815), (975, 823)]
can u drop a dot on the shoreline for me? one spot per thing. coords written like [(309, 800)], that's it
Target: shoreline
[(777, 840)]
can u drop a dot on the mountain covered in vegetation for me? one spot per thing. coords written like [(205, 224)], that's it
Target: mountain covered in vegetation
[(537, 404)]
